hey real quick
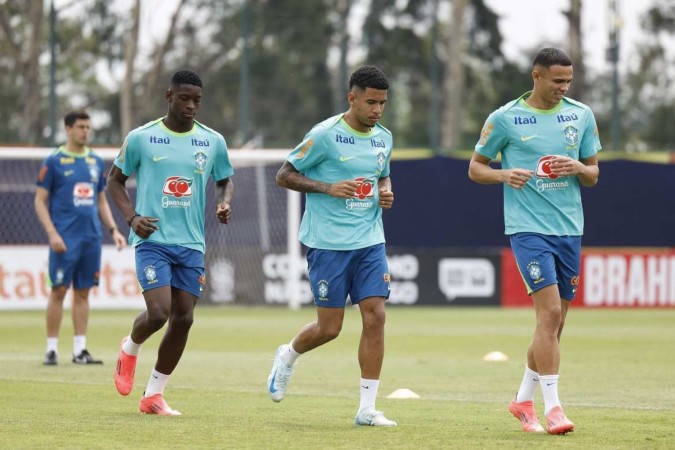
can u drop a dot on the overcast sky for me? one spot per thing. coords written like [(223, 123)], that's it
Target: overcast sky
[(524, 24)]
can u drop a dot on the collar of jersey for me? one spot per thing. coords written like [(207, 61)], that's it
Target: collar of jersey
[(353, 131), (521, 101), (84, 154), (174, 133)]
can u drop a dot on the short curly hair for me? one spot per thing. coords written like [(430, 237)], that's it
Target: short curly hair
[(547, 57), (186, 77), (369, 77)]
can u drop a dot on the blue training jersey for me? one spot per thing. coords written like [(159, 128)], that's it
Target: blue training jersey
[(528, 138), (333, 151), (74, 181), (172, 170)]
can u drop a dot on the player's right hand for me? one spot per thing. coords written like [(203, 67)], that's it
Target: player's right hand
[(144, 226), (517, 178), (343, 189), (56, 243)]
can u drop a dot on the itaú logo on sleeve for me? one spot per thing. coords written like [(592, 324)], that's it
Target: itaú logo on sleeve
[(178, 187)]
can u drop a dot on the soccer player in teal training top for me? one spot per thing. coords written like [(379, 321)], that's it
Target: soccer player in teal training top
[(173, 158), (343, 167), (69, 201), (549, 146)]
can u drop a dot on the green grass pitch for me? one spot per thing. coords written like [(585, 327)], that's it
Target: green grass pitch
[(617, 383)]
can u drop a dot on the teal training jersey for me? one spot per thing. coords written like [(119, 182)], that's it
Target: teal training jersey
[(172, 170), (528, 138), (332, 151)]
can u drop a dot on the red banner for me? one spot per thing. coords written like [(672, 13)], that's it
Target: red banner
[(622, 277)]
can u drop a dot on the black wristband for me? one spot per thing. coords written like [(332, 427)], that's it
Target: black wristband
[(132, 218)]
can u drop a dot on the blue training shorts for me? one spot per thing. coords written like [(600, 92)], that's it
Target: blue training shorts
[(544, 260), (334, 274), (80, 264), (160, 265)]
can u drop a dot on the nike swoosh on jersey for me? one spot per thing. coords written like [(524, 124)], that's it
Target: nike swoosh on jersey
[(344, 158), (527, 138), (68, 173), (158, 158)]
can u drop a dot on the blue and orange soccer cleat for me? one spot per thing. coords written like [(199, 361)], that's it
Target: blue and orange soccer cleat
[(155, 404), (124, 371), (557, 423), (524, 412)]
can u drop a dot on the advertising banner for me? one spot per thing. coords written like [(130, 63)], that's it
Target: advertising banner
[(622, 277), (23, 279), (418, 277)]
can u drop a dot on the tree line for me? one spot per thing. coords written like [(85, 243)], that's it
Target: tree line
[(273, 68)]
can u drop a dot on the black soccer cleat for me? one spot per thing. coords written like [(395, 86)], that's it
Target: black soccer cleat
[(85, 358), (51, 358)]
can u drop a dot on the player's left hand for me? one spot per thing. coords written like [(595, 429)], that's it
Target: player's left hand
[(223, 212), (564, 166), (119, 240), (386, 198)]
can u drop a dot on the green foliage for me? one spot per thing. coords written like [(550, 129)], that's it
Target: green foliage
[(615, 382)]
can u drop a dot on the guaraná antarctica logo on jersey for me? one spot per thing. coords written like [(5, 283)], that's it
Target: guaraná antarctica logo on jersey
[(150, 274), (365, 192), (544, 173), (534, 271), (83, 194), (200, 161), (179, 188), (322, 290)]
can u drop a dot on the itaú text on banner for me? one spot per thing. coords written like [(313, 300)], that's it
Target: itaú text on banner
[(23, 275), (610, 277)]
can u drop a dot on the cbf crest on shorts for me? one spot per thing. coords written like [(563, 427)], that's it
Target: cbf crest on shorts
[(322, 288), (534, 271), (150, 274)]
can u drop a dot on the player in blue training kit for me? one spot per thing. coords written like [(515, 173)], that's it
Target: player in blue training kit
[(548, 144), (70, 203), (173, 158), (343, 167)]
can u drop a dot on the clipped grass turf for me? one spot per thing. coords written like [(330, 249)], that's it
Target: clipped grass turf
[(616, 383)]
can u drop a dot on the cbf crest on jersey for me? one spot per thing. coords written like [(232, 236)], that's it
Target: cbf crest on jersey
[(380, 161), (200, 160), (571, 135), (93, 172)]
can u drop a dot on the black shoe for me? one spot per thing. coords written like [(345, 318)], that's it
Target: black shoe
[(85, 358), (51, 359)]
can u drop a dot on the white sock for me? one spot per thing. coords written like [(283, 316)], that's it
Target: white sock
[(156, 384), (130, 347), (52, 344), (549, 387), (79, 344), (368, 393), (290, 355), (528, 386)]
